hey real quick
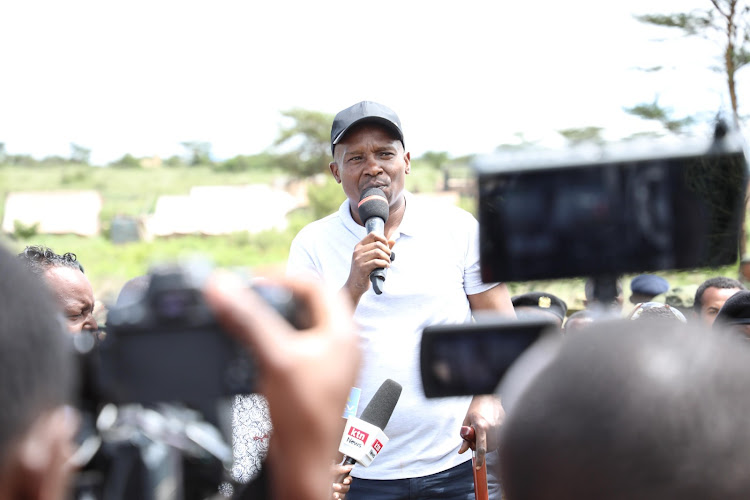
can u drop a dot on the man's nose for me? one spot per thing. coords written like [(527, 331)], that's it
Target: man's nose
[(373, 166), (90, 323)]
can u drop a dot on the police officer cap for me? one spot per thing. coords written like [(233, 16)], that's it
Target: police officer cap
[(649, 284), (543, 301)]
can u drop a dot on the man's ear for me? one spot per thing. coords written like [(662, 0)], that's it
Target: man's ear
[(39, 464), (407, 160), (335, 171)]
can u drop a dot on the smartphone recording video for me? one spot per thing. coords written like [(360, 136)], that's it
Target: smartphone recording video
[(461, 360)]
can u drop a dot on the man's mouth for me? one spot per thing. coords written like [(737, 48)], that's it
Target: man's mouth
[(378, 185)]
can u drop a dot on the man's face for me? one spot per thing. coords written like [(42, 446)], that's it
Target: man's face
[(712, 300), (75, 296), (369, 156)]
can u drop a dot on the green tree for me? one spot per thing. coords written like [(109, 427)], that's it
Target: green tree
[(325, 198), (3, 153), (436, 159), (54, 160), (725, 19), (174, 161), (306, 142), (198, 152), (21, 160), (663, 115), (577, 136), (79, 154), (521, 143), (127, 161), (244, 163)]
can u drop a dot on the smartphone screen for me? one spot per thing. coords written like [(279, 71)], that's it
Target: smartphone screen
[(470, 359)]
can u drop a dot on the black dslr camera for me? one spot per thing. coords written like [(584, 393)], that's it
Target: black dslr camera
[(599, 213), (167, 346), (163, 378)]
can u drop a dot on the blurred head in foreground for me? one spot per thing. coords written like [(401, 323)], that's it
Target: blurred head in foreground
[(64, 276), (36, 367), (579, 320), (633, 409)]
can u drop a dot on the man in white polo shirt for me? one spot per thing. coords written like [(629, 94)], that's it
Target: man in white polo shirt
[(434, 280)]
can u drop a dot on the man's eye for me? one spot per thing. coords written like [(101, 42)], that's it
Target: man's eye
[(355, 158)]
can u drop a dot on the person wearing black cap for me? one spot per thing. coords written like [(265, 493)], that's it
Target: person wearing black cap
[(645, 287), (540, 305), (435, 279), (735, 313)]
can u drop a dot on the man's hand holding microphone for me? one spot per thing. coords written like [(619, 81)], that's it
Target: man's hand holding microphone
[(373, 255)]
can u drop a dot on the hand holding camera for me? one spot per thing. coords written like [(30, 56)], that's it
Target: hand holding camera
[(305, 374)]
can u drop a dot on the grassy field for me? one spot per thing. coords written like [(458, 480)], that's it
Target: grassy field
[(135, 191)]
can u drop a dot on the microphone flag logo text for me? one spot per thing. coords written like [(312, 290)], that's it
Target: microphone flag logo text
[(362, 441), (359, 436)]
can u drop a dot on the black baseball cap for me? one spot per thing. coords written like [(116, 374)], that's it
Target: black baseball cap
[(364, 111), (736, 310)]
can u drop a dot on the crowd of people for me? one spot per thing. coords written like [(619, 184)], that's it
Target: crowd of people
[(644, 400), (650, 297)]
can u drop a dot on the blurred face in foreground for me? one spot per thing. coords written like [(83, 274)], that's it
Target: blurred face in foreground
[(75, 296)]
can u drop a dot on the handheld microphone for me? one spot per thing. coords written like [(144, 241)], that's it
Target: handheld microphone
[(373, 211), (363, 437)]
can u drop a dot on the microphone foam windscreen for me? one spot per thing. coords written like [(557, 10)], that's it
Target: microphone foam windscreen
[(380, 408), (373, 203)]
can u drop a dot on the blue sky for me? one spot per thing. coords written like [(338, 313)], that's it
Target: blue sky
[(141, 76)]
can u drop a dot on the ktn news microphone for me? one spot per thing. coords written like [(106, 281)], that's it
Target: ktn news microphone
[(373, 212), (364, 437)]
